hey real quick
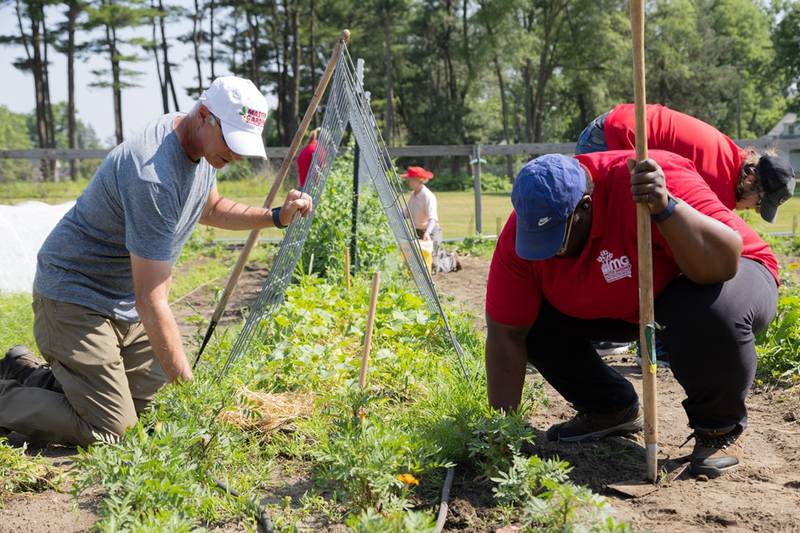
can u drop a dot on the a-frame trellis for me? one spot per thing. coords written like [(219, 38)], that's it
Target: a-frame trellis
[(347, 104)]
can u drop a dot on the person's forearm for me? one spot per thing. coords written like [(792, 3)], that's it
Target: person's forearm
[(431, 225), (165, 338), (229, 214), (706, 250), (506, 359)]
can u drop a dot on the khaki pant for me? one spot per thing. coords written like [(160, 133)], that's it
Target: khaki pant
[(105, 374)]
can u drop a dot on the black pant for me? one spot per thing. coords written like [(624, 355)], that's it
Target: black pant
[(709, 333)]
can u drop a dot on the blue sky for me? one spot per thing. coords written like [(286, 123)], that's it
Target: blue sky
[(95, 106)]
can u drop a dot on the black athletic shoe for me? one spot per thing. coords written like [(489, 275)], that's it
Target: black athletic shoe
[(593, 426), (18, 363), (611, 348)]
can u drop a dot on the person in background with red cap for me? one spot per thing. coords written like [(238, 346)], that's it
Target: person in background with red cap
[(564, 273), (101, 294), (741, 179), (306, 157), (423, 211), (422, 207)]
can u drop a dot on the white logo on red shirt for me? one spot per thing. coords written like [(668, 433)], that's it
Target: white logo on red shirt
[(614, 269)]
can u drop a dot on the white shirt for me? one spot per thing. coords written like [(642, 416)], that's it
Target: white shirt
[(422, 208)]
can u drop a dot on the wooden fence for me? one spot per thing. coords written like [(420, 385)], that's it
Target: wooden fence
[(782, 144), (787, 146)]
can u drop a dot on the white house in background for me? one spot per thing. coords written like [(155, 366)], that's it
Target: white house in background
[(788, 128)]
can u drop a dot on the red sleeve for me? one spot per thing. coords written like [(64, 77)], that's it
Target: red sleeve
[(304, 162), (716, 157), (685, 183), (513, 292), (620, 128)]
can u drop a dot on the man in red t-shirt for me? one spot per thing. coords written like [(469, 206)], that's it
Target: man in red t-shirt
[(740, 178), (564, 273), (305, 158)]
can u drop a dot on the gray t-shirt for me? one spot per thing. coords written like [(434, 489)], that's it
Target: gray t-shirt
[(144, 199)]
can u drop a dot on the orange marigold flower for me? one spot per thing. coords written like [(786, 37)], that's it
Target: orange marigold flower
[(408, 479)]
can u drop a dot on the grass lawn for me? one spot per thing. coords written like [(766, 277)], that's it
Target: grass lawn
[(456, 209)]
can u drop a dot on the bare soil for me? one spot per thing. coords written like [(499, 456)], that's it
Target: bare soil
[(762, 495)]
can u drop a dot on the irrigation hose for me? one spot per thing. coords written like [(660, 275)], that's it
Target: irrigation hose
[(448, 482), (262, 517)]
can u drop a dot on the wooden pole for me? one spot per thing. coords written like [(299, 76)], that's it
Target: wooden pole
[(644, 239), (344, 38), (346, 267), (373, 301)]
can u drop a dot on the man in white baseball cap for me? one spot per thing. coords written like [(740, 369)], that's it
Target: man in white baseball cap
[(242, 110), (102, 316)]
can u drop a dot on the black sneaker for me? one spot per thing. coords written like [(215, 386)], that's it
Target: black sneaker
[(593, 426), (716, 452), (611, 348), (18, 363)]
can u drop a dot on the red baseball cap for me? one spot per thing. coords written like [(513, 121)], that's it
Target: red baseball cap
[(417, 173)]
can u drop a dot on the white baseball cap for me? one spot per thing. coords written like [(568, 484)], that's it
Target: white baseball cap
[(242, 110)]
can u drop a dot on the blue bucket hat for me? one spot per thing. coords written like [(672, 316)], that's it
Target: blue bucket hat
[(545, 194)]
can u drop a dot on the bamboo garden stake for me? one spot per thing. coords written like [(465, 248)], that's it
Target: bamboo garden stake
[(373, 301), (346, 268)]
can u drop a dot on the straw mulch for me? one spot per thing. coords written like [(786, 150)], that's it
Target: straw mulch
[(265, 412)]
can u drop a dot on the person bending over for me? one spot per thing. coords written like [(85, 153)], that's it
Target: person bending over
[(565, 272)]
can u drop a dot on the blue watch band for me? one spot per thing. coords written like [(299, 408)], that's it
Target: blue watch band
[(667, 212), (276, 218)]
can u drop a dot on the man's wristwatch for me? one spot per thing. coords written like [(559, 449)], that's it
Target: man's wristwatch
[(667, 212), (276, 218)]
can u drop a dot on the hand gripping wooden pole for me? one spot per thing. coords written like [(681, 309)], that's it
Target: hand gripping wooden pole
[(344, 38), (644, 238)]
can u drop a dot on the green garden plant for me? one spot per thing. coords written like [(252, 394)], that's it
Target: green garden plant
[(778, 347), (526, 479)]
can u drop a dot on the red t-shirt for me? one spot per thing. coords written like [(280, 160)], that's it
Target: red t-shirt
[(602, 282), (715, 156), (304, 161)]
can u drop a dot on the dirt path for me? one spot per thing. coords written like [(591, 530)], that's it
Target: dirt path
[(763, 495)]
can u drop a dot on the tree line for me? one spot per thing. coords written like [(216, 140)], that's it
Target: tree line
[(439, 71)]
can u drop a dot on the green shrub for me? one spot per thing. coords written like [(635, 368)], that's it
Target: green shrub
[(778, 347), (462, 182)]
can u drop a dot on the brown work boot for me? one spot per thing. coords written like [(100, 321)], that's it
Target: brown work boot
[(18, 363), (593, 426), (716, 452)]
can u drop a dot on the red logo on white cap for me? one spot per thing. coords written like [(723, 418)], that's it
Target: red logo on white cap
[(251, 116)]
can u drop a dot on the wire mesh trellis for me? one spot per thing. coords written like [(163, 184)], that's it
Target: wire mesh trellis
[(384, 177), (347, 103)]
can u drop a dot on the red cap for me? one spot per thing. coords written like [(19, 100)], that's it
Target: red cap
[(417, 173)]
